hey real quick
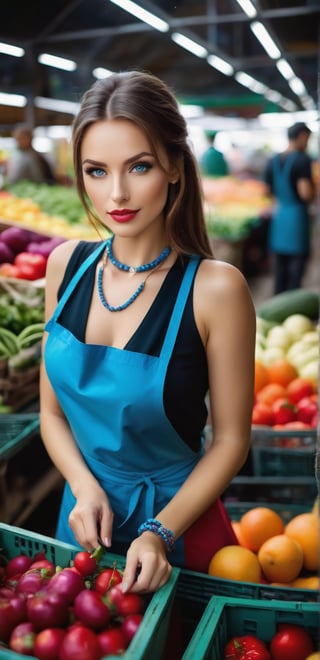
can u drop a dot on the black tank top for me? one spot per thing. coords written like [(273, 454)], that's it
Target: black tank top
[(186, 382)]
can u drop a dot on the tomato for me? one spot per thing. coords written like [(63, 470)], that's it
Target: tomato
[(299, 388), (107, 579), (262, 415), (284, 411), (246, 647), (85, 563), (112, 641), (291, 642), (306, 410), (30, 266)]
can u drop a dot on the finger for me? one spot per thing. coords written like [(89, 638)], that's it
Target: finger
[(105, 527)]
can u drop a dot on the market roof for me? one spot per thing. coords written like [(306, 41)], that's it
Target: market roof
[(98, 33)]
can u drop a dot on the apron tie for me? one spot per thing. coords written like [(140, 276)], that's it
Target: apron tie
[(145, 486)]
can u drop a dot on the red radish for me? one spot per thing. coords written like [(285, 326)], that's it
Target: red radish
[(18, 565), (80, 642), (112, 641), (47, 643), (47, 610), (130, 625), (68, 583), (22, 638), (90, 608)]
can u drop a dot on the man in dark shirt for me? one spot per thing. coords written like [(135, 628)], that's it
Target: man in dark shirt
[(289, 178)]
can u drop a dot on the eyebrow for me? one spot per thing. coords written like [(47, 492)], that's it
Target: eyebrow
[(132, 159)]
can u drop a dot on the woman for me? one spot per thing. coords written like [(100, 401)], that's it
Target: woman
[(146, 323)]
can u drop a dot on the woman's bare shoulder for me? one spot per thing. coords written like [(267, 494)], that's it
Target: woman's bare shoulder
[(220, 278)]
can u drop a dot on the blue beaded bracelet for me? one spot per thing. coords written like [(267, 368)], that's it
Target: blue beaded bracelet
[(155, 526)]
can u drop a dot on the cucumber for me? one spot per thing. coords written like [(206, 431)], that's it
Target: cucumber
[(298, 301)]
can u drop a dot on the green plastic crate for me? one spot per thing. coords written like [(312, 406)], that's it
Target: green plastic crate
[(149, 641), (224, 618)]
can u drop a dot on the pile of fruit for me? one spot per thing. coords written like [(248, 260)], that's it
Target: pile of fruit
[(27, 212), (289, 642), (271, 551), (24, 253), (286, 373), (55, 613)]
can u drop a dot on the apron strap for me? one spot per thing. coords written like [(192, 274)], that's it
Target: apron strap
[(75, 279), (175, 320)]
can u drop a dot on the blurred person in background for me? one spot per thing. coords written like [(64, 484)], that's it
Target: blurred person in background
[(26, 163), (212, 162), (288, 177)]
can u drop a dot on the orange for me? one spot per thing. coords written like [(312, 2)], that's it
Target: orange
[(282, 372), (314, 656), (270, 393), (259, 524), (236, 528), (261, 377), (281, 558), (233, 562), (309, 582), (303, 528)]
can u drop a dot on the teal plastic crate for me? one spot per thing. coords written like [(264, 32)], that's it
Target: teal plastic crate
[(150, 639), (16, 429), (271, 455), (287, 510), (224, 618)]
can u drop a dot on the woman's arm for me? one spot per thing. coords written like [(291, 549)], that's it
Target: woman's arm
[(92, 508), (225, 317)]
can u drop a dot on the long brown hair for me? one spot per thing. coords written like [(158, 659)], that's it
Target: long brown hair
[(147, 101)]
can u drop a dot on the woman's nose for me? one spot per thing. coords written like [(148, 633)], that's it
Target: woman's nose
[(119, 190)]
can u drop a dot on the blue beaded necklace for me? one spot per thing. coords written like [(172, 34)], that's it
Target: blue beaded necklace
[(135, 269), (130, 269)]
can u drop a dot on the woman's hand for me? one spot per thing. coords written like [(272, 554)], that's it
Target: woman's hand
[(147, 567), (92, 517)]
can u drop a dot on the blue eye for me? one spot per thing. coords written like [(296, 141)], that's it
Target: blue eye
[(95, 172), (140, 168)]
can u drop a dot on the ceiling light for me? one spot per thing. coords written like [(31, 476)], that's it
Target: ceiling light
[(247, 7), (57, 62), (57, 105), (16, 100), (142, 14), (285, 69), (297, 86), (100, 73), (273, 96), (251, 83), (8, 49), (190, 45), (266, 41), (220, 64)]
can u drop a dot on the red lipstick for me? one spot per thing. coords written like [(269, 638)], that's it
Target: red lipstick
[(123, 215)]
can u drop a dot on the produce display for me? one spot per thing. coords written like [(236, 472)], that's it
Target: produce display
[(64, 216), (233, 206), (66, 613), (24, 253), (286, 372), (271, 550), (290, 642)]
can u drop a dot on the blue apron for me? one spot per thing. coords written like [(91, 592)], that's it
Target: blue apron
[(290, 225), (130, 446)]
